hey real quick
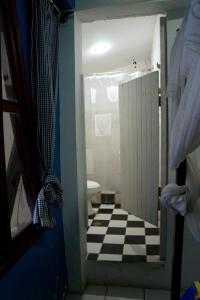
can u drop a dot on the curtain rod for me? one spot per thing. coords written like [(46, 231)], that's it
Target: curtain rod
[(63, 14), (55, 6)]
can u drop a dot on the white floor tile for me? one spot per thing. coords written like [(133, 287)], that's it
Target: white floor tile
[(157, 295), (110, 257), (97, 230), (149, 225), (116, 223), (94, 247), (124, 293), (114, 239), (119, 211), (107, 206), (95, 292), (134, 249), (134, 218), (89, 222), (153, 258), (152, 239), (103, 217), (135, 231)]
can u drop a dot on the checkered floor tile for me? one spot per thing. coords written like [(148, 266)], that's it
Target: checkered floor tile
[(115, 235)]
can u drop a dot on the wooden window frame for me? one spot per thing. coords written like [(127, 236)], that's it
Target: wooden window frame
[(11, 250)]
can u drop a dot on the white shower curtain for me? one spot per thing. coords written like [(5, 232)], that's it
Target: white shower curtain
[(102, 128), (139, 129)]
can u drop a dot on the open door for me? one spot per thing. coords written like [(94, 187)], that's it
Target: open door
[(139, 146)]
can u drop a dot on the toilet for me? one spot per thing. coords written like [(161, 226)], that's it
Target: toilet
[(92, 189)]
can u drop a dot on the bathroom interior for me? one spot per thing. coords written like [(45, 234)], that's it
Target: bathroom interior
[(121, 67)]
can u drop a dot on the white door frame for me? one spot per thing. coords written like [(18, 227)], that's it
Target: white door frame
[(73, 169), (164, 132), (73, 160)]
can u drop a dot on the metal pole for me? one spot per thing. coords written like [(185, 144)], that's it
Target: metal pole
[(178, 241)]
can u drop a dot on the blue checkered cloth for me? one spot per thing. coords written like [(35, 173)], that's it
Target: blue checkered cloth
[(44, 69), (48, 198)]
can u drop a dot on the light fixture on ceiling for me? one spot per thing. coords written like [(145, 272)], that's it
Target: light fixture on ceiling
[(100, 48)]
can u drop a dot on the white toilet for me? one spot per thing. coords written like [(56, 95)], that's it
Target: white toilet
[(92, 189)]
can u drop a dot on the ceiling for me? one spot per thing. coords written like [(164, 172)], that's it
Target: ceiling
[(129, 38), (91, 10), (85, 4)]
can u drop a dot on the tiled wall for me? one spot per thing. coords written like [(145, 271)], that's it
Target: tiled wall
[(102, 133)]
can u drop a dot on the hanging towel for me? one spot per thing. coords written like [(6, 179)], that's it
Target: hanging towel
[(193, 185), (93, 95), (113, 93), (185, 136), (174, 197), (174, 79), (184, 90), (103, 124), (183, 87), (192, 33)]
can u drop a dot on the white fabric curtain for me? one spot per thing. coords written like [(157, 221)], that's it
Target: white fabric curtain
[(102, 128), (184, 90)]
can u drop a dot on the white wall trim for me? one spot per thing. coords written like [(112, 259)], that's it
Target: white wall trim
[(73, 170)]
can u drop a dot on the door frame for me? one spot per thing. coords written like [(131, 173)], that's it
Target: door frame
[(164, 132), (73, 161), (72, 153)]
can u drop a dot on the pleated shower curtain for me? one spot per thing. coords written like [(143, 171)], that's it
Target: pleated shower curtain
[(44, 69)]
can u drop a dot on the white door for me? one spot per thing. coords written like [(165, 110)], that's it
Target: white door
[(139, 146)]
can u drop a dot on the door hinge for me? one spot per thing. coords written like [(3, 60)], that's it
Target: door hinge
[(159, 101)]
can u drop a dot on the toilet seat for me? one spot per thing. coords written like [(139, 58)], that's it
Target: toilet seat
[(92, 189), (92, 185)]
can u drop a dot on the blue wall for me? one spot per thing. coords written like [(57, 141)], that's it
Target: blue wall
[(40, 274), (65, 4)]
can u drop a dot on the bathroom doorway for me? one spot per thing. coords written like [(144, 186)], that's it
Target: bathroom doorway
[(112, 58)]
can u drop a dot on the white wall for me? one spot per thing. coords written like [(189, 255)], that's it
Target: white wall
[(103, 157), (73, 169), (155, 50)]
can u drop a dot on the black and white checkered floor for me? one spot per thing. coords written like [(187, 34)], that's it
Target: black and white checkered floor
[(115, 235)]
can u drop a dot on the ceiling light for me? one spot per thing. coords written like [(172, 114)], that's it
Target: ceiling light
[(100, 48)]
